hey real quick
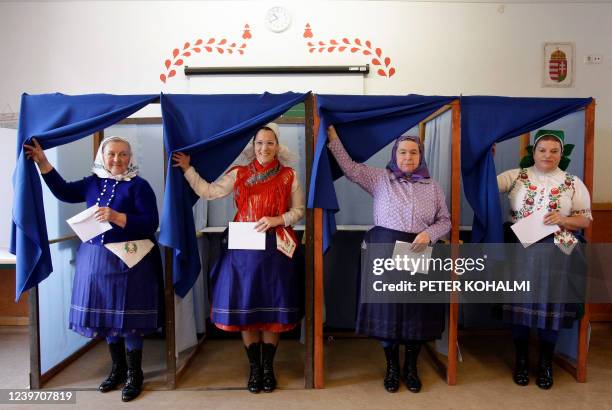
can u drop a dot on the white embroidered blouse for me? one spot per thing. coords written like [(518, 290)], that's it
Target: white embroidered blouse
[(529, 190)]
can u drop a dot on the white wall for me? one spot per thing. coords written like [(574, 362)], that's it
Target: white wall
[(436, 48)]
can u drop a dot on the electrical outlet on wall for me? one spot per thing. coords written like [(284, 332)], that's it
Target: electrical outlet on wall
[(593, 59)]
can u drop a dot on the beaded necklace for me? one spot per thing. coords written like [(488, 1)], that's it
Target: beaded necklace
[(110, 198), (258, 177)]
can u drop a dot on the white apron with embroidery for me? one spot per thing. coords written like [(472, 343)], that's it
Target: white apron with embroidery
[(130, 252)]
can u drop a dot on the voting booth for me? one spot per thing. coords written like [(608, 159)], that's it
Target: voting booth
[(512, 123), (367, 125)]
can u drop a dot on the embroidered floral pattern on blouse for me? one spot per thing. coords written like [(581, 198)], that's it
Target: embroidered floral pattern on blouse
[(583, 212), (564, 238), (529, 198), (555, 193)]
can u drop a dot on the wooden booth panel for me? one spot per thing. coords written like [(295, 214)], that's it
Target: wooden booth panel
[(602, 223), (602, 233), (601, 312), (11, 313)]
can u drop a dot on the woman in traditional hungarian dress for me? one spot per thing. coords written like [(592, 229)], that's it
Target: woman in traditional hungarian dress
[(542, 184), (258, 292), (409, 206), (118, 274)]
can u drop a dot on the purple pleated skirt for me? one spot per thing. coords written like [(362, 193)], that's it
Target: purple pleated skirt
[(256, 286), (110, 299), (398, 321)]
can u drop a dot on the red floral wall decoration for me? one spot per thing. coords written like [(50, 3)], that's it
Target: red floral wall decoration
[(212, 45), (381, 63)]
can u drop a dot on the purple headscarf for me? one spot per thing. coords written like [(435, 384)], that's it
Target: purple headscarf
[(421, 172)]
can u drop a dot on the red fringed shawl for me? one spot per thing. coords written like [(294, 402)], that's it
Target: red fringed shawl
[(262, 190)]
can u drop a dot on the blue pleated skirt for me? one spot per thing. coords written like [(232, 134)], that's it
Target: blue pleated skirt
[(256, 286), (398, 321), (547, 316), (110, 299)]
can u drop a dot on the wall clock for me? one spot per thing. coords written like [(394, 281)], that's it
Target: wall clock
[(278, 19)]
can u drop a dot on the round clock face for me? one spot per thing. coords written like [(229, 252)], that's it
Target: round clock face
[(278, 19)]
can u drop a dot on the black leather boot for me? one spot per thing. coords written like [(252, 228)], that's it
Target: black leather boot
[(255, 377), (392, 376), (411, 376), (544, 379), (135, 377), (267, 361), (119, 368), (521, 366)]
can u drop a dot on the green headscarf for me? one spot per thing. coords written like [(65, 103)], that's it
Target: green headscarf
[(566, 149)]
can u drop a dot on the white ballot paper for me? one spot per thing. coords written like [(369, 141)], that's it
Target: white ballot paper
[(531, 229), (86, 226), (242, 235), (410, 260)]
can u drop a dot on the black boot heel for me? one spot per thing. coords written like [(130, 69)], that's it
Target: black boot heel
[(135, 377), (267, 360), (521, 366), (254, 385), (544, 378), (118, 371), (411, 376), (392, 376)]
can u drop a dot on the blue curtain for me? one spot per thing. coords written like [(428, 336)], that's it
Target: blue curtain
[(484, 121), (365, 125), (213, 129), (53, 119)]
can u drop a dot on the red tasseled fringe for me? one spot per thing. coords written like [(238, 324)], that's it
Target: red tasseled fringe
[(266, 327), (265, 198)]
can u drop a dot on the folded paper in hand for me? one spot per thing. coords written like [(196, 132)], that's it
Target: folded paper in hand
[(417, 261), (86, 226), (242, 235), (531, 229)]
